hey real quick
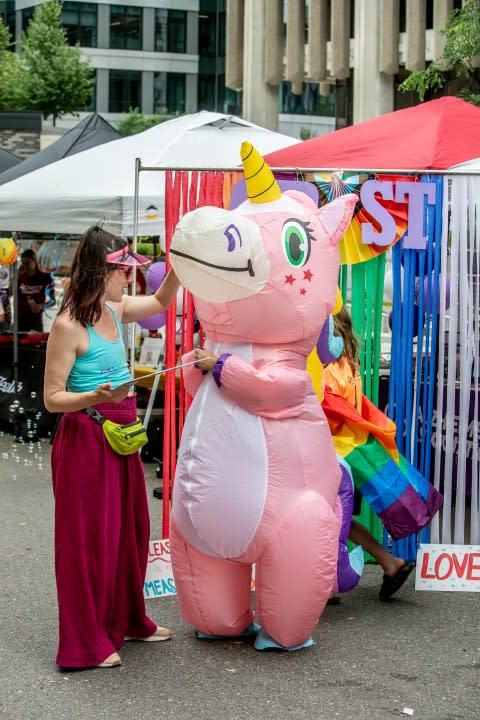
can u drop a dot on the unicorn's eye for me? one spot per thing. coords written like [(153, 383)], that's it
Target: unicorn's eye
[(296, 242), (232, 233)]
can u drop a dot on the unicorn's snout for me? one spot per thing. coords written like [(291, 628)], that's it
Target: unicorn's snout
[(218, 255)]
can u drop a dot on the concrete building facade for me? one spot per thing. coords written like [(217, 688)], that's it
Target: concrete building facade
[(303, 67), (359, 50)]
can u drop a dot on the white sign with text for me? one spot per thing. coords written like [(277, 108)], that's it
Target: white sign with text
[(159, 580), (454, 568)]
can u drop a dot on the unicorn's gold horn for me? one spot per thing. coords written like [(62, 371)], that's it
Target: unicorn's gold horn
[(261, 185)]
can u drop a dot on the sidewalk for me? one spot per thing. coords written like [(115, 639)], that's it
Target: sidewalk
[(371, 660)]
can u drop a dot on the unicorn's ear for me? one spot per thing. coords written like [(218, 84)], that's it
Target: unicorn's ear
[(336, 216)]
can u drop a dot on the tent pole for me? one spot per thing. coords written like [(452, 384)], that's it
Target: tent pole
[(131, 334), (15, 333), (300, 170)]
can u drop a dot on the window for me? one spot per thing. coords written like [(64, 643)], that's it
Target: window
[(207, 31), (169, 93), (125, 27), (171, 31), (79, 19), (310, 102), (27, 15), (125, 90), (7, 11)]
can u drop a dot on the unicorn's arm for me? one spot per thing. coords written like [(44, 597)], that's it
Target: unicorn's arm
[(273, 391)]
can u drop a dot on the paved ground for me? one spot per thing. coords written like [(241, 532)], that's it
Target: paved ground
[(371, 661)]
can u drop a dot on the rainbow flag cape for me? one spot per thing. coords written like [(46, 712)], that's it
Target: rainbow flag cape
[(403, 499)]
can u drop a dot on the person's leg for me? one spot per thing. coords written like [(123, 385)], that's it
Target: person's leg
[(396, 570), (361, 536), (129, 618), (86, 540)]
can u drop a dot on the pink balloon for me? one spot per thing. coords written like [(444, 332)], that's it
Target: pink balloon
[(153, 322), (155, 275)]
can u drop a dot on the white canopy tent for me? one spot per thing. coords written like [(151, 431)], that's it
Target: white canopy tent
[(99, 184), (469, 166)]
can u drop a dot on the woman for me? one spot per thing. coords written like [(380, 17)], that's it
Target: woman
[(101, 514), (33, 285)]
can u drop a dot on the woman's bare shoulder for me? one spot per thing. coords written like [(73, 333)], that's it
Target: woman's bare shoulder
[(66, 327)]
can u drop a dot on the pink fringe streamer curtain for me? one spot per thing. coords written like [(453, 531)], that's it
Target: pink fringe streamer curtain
[(184, 191)]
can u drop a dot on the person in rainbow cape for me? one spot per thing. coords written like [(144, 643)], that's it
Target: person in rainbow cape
[(365, 438)]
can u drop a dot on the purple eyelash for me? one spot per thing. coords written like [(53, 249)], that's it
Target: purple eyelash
[(229, 234)]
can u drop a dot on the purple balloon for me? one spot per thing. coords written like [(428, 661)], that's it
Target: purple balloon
[(428, 287), (155, 275), (153, 322), (429, 292), (416, 319)]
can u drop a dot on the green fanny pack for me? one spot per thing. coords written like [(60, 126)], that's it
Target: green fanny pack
[(123, 439)]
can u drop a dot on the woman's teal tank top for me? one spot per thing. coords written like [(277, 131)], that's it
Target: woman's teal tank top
[(104, 361)]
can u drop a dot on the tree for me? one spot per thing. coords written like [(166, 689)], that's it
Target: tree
[(10, 71), (460, 55), (55, 79), (134, 122)]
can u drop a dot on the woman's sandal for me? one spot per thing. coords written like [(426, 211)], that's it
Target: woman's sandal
[(110, 662), (392, 583), (160, 634)]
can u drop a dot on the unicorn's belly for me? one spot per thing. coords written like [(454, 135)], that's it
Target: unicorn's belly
[(222, 475)]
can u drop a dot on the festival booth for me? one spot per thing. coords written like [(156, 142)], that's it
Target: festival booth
[(70, 195), (65, 197), (411, 251)]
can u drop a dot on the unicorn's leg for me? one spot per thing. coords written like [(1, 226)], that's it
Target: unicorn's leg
[(213, 594), (296, 573)]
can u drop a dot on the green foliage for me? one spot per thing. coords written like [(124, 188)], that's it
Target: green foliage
[(135, 122), (55, 80), (306, 133), (10, 95), (145, 248), (462, 34), (5, 39), (432, 78)]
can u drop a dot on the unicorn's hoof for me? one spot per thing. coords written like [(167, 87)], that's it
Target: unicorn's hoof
[(251, 631), (263, 641)]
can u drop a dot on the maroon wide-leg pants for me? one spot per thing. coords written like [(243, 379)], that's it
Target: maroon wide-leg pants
[(102, 532)]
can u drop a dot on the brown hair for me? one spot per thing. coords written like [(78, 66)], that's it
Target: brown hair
[(343, 327), (84, 294), (29, 254)]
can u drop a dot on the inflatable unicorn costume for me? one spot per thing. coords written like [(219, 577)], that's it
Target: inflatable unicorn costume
[(257, 476)]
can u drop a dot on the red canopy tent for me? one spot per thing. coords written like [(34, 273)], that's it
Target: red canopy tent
[(432, 136)]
